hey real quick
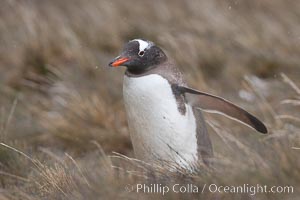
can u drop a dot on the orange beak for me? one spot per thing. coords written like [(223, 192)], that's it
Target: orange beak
[(119, 61)]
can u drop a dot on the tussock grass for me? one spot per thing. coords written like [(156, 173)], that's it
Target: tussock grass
[(270, 160)]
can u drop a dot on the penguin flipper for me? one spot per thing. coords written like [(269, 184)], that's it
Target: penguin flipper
[(214, 104)]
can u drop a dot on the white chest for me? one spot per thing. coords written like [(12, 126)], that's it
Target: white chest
[(158, 130)]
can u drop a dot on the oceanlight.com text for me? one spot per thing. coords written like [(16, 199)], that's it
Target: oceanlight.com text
[(211, 188)]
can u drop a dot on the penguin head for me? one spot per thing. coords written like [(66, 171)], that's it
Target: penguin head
[(139, 55)]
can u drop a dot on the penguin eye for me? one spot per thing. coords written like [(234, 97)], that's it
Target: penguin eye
[(141, 53)]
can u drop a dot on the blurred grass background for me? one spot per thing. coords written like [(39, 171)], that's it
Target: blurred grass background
[(62, 106)]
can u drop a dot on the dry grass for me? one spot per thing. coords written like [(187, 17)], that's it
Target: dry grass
[(61, 111)]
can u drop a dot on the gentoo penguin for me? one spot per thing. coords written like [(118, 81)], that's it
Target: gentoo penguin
[(163, 113)]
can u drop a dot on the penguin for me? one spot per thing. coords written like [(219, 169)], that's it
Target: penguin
[(164, 114)]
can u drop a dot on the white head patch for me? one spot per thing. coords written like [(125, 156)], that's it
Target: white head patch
[(143, 44)]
